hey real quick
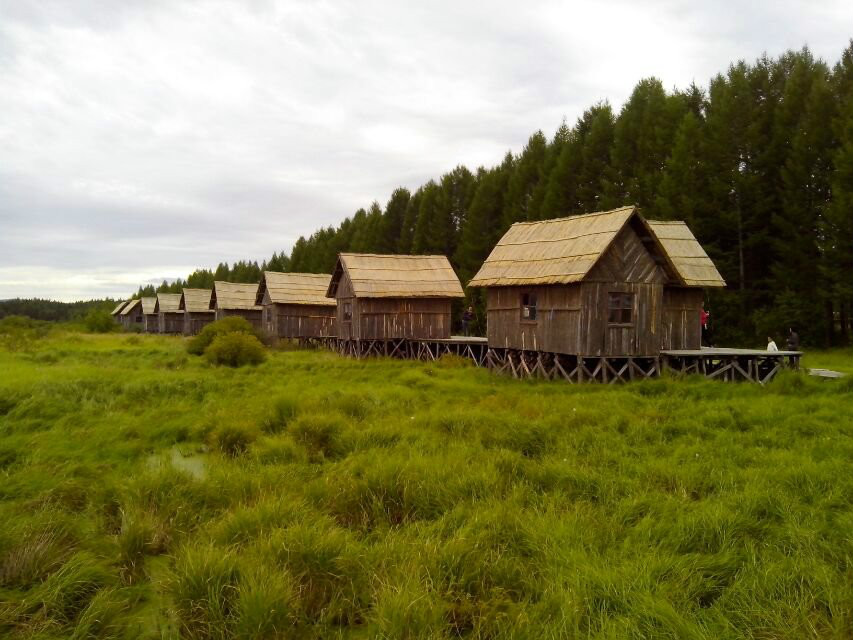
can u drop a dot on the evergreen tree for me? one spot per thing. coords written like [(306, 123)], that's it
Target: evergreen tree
[(483, 225), (526, 176), (807, 105), (642, 140), (434, 225), (392, 222), (410, 219), (552, 156), (683, 187)]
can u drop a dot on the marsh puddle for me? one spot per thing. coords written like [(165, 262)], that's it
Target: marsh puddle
[(188, 458)]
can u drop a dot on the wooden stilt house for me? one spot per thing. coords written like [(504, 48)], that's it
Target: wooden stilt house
[(131, 316), (602, 284), (236, 299), (195, 305), (391, 297), (295, 305), (149, 312), (116, 313), (170, 318)]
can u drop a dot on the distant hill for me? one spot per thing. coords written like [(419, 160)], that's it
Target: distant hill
[(51, 309)]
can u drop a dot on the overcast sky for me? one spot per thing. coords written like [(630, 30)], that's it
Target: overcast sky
[(140, 140)]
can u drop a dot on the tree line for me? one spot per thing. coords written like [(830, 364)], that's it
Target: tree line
[(51, 310), (759, 164)]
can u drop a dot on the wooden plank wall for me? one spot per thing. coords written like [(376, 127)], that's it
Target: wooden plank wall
[(557, 327), (626, 260), (641, 338), (392, 318), (254, 316), (300, 320), (171, 322), (344, 296), (681, 321), (195, 322), (151, 323)]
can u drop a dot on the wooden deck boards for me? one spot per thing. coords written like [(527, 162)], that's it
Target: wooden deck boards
[(715, 351)]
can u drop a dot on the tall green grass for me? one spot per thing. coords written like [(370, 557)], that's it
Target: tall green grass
[(144, 494)]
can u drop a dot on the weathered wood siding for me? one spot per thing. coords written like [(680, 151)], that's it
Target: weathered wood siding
[(640, 337), (557, 327), (392, 318), (194, 322), (681, 320), (299, 320), (254, 316), (171, 322), (151, 323), (134, 320), (346, 300)]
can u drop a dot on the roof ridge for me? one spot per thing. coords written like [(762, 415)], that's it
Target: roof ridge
[(575, 216), (394, 255)]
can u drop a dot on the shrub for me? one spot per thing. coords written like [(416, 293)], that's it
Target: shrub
[(285, 409), (233, 440), (235, 350), (321, 435), (266, 603), (204, 591), (68, 591), (211, 331), (99, 321)]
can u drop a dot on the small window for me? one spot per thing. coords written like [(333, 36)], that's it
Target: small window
[(347, 311), (621, 308), (528, 307)]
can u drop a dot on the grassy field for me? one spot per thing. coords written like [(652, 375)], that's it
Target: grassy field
[(145, 493)]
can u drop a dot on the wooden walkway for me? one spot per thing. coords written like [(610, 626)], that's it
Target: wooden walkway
[(720, 364), (754, 365)]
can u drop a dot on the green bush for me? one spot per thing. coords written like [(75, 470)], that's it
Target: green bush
[(99, 321), (235, 350), (323, 435), (210, 332), (283, 412), (233, 440)]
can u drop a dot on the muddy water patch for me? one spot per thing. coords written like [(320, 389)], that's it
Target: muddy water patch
[(191, 459)]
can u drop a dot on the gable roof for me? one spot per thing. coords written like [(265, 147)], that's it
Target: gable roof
[(131, 305), (234, 295), (295, 288), (557, 251), (196, 300), (119, 307), (168, 303), (396, 276), (564, 250), (148, 305), (685, 254)]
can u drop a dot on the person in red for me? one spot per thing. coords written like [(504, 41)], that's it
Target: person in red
[(704, 319)]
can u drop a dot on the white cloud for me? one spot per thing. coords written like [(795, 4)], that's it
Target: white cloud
[(137, 139)]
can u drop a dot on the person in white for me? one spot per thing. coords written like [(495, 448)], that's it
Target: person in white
[(771, 345)]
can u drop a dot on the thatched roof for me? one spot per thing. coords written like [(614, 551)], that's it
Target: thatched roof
[(234, 295), (168, 303), (564, 250), (148, 305), (396, 276), (196, 300), (295, 288), (685, 255), (131, 305), (119, 307)]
